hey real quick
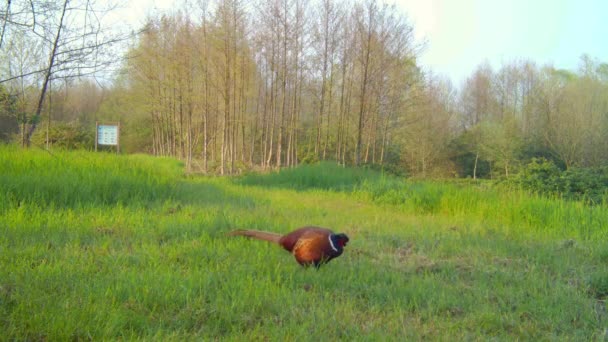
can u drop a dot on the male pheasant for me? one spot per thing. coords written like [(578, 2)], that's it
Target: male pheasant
[(309, 245)]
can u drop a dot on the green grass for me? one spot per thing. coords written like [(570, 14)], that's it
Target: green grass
[(82, 179), (98, 246), (325, 176)]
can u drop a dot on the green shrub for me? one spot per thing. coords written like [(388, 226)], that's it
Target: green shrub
[(544, 177), (68, 136), (540, 175)]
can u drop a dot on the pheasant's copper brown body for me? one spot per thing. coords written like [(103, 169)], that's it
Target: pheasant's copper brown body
[(309, 245)]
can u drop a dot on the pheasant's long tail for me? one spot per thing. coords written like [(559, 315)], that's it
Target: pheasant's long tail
[(256, 234)]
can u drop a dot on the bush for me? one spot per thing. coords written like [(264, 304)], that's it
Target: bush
[(68, 136), (540, 175), (544, 177)]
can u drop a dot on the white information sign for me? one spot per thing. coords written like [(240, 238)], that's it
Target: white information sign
[(107, 135)]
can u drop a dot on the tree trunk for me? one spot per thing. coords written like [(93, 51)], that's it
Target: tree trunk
[(363, 97), (47, 77), (475, 165)]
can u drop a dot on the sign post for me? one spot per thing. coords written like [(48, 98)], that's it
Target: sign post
[(107, 134)]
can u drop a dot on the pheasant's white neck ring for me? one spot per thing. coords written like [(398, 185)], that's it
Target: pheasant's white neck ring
[(331, 243)]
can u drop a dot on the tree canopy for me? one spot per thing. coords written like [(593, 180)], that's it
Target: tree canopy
[(228, 85)]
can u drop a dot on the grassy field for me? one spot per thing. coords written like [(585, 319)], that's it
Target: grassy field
[(97, 246)]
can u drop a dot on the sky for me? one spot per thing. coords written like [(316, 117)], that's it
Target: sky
[(459, 35), (462, 34)]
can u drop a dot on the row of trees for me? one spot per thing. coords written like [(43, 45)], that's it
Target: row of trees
[(227, 85), (270, 85), (523, 111)]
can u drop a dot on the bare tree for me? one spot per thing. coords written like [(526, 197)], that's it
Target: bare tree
[(73, 36), (326, 32), (367, 18)]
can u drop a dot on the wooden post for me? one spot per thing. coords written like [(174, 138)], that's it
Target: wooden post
[(118, 138), (96, 134)]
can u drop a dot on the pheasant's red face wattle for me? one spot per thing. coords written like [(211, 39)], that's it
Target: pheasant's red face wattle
[(342, 240)]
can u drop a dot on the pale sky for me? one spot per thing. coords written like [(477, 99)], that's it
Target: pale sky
[(461, 34)]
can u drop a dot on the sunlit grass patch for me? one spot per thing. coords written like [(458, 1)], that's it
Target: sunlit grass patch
[(81, 178)]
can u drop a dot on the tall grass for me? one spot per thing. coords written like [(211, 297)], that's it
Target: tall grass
[(522, 212), (426, 261), (325, 175), (481, 202), (80, 178)]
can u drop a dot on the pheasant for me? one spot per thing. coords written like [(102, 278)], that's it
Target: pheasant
[(309, 245)]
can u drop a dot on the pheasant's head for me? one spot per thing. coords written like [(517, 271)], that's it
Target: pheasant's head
[(339, 240)]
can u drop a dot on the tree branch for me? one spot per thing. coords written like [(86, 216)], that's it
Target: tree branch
[(47, 76)]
